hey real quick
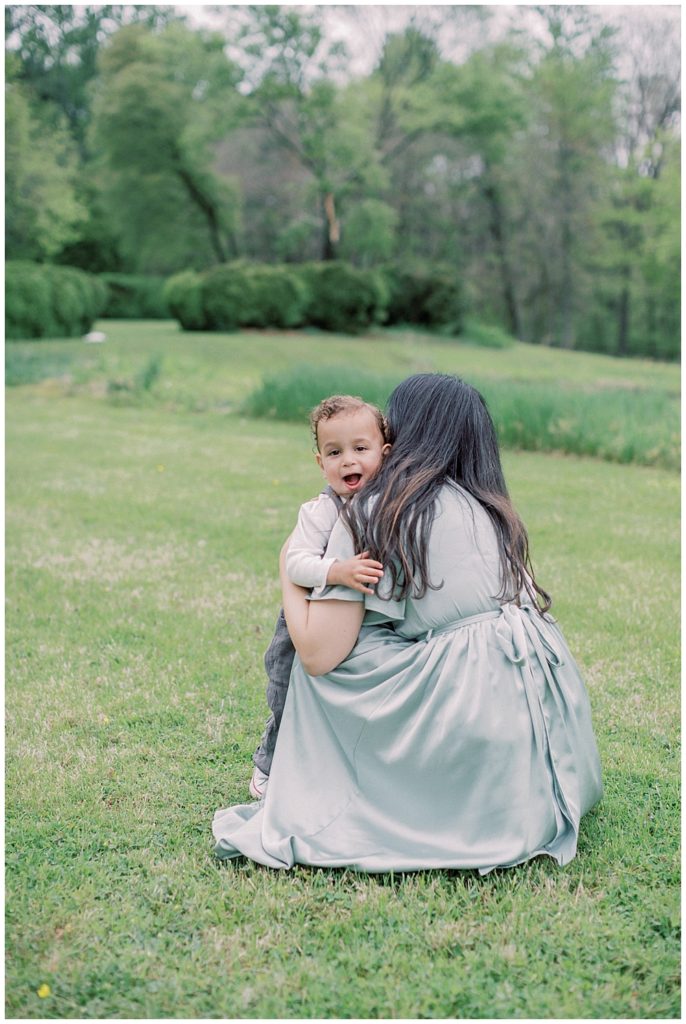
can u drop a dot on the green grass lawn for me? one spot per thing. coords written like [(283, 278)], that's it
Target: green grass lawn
[(142, 538)]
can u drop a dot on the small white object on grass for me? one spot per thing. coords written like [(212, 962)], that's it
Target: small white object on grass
[(95, 336)]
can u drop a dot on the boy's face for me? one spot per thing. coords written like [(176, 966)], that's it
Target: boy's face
[(351, 448)]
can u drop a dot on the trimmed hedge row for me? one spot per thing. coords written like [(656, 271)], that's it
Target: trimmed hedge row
[(334, 296), (429, 294), (43, 301), (343, 298), (132, 297)]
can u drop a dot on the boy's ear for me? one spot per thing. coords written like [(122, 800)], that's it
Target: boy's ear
[(319, 460), (385, 450)]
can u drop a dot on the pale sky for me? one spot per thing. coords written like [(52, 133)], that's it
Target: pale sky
[(362, 26)]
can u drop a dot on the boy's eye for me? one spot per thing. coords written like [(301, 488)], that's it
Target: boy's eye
[(361, 448), (334, 451)]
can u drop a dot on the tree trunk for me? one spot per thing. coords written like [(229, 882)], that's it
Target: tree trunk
[(566, 293), (208, 208), (332, 228), (623, 311), (496, 221)]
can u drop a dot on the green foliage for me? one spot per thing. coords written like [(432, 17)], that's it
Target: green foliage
[(616, 424), (636, 288), (126, 390), (369, 232), (183, 295), (162, 101), (43, 301), (333, 296), (56, 47), (252, 295), (238, 294), (41, 206), (427, 294), (292, 394), (342, 297), (26, 364), (486, 335), (134, 297), (297, 238), (290, 70), (532, 162)]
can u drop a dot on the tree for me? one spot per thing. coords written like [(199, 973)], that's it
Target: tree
[(57, 48), (41, 207), (483, 105), (369, 232), (163, 99), (573, 126), (288, 75), (649, 102)]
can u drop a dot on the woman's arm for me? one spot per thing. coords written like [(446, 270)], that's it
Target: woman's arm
[(323, 632)]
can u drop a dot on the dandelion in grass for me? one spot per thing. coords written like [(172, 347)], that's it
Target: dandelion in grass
[(44, 991)]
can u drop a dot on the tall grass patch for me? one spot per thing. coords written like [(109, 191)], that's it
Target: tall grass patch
[(616, 424), (292, 394)]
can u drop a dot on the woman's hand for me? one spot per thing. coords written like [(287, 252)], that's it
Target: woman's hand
[(359, 573), (323, 632)]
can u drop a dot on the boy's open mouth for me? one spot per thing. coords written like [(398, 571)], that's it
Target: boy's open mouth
[(353, 480)]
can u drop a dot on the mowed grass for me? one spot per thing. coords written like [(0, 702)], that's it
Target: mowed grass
[(141, 592)]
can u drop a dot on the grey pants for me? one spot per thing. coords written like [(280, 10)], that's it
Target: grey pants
[(278, 662)]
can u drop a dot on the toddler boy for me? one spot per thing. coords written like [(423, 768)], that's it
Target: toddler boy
[(350, 436)]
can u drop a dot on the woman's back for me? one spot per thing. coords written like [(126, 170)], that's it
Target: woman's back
[(463, 557)]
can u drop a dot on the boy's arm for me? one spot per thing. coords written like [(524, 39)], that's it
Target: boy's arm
[(305, 562)]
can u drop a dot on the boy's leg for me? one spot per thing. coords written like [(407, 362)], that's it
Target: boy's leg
[(278, 662)]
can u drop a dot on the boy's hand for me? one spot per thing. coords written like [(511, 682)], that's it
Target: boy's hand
[(359, 573)]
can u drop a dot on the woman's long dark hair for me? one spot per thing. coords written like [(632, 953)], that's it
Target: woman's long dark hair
[(440, 431)]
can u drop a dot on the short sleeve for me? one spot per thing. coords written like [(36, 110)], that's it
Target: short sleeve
[(379, 607)]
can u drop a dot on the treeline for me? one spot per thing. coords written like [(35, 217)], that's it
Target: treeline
[(543, 168)]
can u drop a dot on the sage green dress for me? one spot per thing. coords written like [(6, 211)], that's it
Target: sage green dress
[(457, 733)]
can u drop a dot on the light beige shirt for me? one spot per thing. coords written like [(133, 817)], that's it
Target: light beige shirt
[(305, 562)]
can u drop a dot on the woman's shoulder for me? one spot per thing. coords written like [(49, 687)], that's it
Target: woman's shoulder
[(453, 497), (456, 508)]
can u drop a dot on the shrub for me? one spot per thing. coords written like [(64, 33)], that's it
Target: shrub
[(242, 294), (334, 296), (343, 298), (42, 300), (427, 294), (134, 297), (227, 297), (238, 294), (183, 296), (486, 335), (281, 296)]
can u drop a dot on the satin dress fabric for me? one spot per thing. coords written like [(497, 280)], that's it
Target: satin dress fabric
[(456, 734)]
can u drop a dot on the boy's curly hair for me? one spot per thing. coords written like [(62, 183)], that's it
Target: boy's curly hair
[(334, 405)]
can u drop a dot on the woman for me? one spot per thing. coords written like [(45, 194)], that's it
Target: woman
[(442, 721)]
